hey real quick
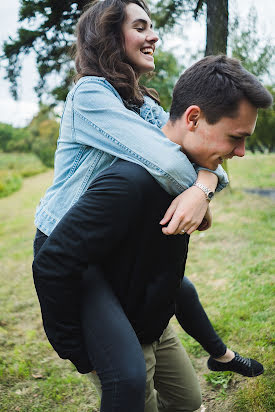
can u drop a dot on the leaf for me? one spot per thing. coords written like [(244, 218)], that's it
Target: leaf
[(37, 376)]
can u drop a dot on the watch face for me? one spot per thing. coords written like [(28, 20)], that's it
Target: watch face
[(210, 195)]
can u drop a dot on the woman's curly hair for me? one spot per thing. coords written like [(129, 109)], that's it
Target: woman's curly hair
[(100, 51)]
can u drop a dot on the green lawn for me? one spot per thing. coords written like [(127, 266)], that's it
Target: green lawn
[(232, 266), (14, 167)]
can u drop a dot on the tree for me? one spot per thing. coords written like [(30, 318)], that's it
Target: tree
[(50, 35), (163, 80), (248, 46), (44, 129), (14, 139), (263, 139), (217, 27)]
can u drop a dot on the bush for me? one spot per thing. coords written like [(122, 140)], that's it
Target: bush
[(14, 139), (9, 182), (44, 145)]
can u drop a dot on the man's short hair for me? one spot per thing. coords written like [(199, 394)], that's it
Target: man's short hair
[(217, 84)]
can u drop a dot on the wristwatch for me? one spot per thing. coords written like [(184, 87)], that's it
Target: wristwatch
[(208, 193)]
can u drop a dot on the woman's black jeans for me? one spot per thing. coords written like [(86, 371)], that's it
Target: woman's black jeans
[(111, 343), (113, 347)]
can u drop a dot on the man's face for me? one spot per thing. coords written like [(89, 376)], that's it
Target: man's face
[(210, 145)]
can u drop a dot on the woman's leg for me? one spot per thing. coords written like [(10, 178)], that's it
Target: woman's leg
[(112, 346), (195, 322), (111, 343)]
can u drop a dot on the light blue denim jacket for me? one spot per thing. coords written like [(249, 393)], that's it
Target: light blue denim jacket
[(95, 130)]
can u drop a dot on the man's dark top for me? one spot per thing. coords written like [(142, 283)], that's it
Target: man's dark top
[(114, 228)]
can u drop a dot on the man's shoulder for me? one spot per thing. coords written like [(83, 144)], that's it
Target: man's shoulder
[(129, 172), (132, 178)]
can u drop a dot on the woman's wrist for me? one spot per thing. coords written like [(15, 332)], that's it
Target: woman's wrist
[(208, 179)]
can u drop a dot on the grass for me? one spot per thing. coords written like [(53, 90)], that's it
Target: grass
[(231, 265), (258, 172), (14, 167)]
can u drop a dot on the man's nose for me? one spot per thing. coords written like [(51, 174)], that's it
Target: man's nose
[(240, 149)]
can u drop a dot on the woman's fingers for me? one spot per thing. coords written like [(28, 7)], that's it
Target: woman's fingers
[(186, 212), (169, 213)]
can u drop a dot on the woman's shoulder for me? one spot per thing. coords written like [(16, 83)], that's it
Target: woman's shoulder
[(93, 84), (152, 112)]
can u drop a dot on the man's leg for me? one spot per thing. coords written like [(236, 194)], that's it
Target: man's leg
[(171, 373)]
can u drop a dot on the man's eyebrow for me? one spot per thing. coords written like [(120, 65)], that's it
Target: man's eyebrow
[(143, 21)]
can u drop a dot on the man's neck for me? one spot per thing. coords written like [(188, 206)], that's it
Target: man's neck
[(174, 132)]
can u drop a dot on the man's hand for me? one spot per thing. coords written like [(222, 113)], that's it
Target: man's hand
[(206, 221), (186, 212)]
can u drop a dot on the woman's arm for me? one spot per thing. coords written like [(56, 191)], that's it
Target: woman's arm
[(188, 210), (101, 120)]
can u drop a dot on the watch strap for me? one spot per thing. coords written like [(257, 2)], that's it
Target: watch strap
[(208, 193)]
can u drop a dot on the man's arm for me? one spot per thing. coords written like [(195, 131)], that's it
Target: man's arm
[(91, 229)]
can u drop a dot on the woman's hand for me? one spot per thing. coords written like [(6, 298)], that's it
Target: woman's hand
[(186, 212), (206, 221)]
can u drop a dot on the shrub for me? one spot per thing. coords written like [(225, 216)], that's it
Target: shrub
[(9, 182)]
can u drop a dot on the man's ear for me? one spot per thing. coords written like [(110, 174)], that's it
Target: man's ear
[(192, 116)]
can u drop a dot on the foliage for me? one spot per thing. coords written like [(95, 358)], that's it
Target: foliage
[(255, 52), (220, 379), (24, 164), (47, 29), (44, 130), (163, 80), (14, 139), (166, 13), (263, 139), (9, 182), (14, 167), (257, 56), (39, 136)]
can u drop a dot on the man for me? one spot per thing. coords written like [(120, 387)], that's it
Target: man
[(114, 229)]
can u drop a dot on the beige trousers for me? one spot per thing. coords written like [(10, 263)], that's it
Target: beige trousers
[(171, 384)]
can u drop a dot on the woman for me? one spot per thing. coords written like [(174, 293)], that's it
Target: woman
[(109, 114)]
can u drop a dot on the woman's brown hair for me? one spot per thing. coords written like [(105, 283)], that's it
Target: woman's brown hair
[(100, 51)]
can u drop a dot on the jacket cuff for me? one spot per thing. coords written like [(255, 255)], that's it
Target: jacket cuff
[(219, 172)]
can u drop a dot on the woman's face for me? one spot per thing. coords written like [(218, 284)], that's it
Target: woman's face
[(139, 39)]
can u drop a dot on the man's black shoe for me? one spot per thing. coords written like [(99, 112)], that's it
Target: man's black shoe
[(244, 366)]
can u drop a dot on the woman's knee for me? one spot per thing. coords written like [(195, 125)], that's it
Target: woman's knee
[(129, 378), (134, 381)]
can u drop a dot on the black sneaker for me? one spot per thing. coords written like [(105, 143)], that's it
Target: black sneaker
[(244, 366)]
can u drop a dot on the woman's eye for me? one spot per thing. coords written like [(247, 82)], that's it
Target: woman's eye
[(140, 28)]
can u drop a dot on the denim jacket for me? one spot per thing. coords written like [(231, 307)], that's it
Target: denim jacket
[(95, 130)]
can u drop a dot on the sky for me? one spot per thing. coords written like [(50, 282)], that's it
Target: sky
[(19, 113)]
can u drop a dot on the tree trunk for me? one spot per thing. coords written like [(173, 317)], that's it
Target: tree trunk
[(217, 27), (217, 32)]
